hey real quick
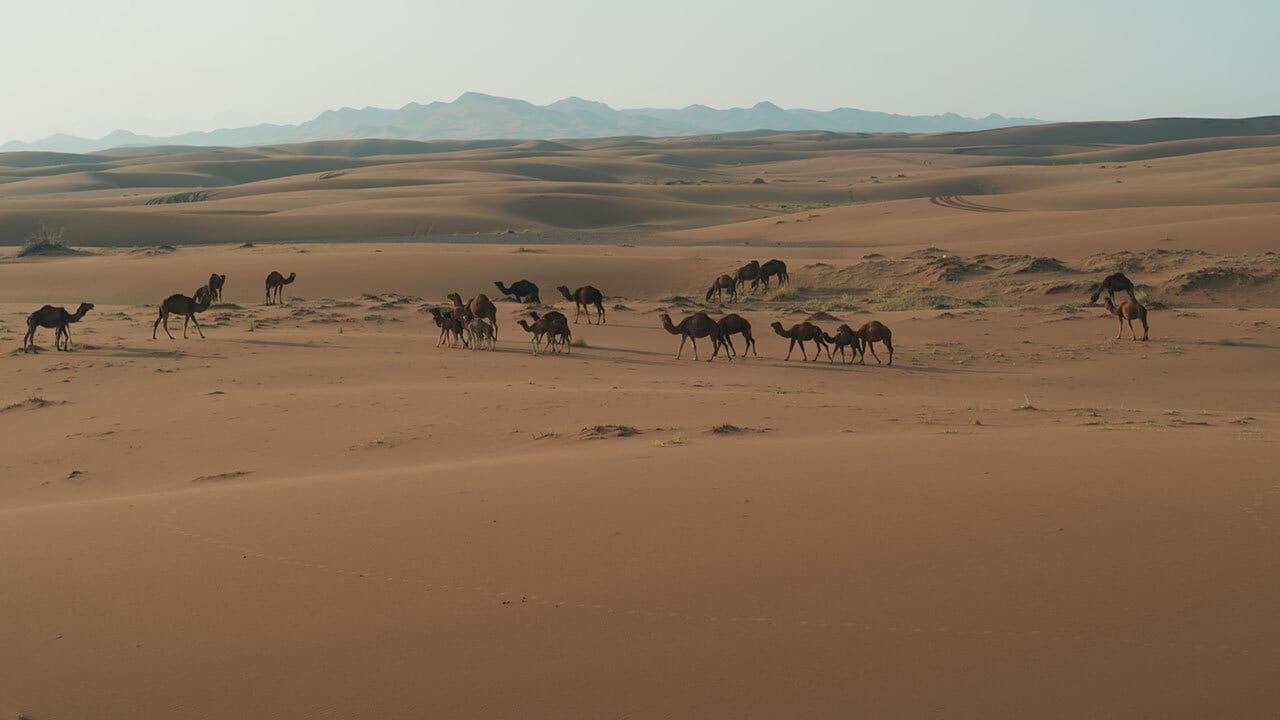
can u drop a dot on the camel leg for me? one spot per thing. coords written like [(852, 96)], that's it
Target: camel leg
[(871, 344), (600, 313), (66, 338), (681, 348), (185, 319), (803, 354), (694, 340), (1145, 328), (790, 348), (731, 350), (889, 344), (29, 339), (197, 322), (1120, 332)]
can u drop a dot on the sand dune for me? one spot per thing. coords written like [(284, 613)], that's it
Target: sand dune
[(316, 511)]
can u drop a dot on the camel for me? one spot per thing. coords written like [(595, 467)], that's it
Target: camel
[(56, 319), (871, 333), (771, 268), (481, 334), (1129, 310), (734, 324), (844, 337), (799, 334), (216, 282), (450, 327), (522, 290), (723, 284), (276, 283), (693, 327), (750, 271), (477, 307), (582, 298), (1112, 284), (187, 307), (559, 327), (556, 330)]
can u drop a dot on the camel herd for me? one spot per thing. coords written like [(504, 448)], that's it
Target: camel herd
[(474, 323)]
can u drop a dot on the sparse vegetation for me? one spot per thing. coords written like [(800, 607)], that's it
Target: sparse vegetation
[(46, 240)]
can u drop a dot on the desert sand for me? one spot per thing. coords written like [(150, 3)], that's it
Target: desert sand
[(317, 512)]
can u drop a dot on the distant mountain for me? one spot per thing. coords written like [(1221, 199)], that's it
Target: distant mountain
[(477, 116)]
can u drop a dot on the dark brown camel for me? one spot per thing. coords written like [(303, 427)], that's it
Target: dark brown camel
[(559, 328), (750, 271), (723, 284), (774, 268), (450, 327), (522, 290), (583, 298), (276, 283), (56, 319), (734, 324), (479, 306), (871, 333), (799, 334), (693, 327), (1113, 284), (186, 307), (555, 330), (1129, 310), (845, 337), (216, 282)]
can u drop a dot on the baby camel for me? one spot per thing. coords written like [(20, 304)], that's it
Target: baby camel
[(845, 337), (481, 334), (56, 319), (180, 304), (1129, 310), (555, 329), (450, 327), (800, 333), (582, 298), (693, 327)]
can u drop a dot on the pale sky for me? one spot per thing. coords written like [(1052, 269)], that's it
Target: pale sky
[(161, 67)]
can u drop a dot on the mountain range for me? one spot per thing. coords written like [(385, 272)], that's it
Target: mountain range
[(478, 116)]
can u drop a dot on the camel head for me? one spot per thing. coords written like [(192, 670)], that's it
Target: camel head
[(1111, 306), (501, 288), (525, 324), (292, 276), (564, 290), (777, 327), (454, 298), (84, 308), (1096, 294), (667, 324), (534, 314)]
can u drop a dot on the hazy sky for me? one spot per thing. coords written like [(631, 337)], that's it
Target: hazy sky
[(87, 67)]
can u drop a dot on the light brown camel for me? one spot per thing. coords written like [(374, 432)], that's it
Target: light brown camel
[(774, 268), (735, 324), (693, 327), (871, 333), (478, 307), (723, 284), (1129, 310), (216, 282), (186, 307), (583, 298), (481, 334), (450, 327), (801, 333), (56, 319), (844, 337), (750, 271), (522, 290), (276, 283)]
